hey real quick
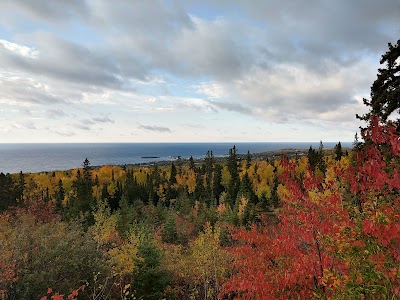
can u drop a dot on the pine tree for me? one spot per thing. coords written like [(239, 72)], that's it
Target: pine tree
[(312, 158), (217, 183), (209, 167), (233, 168), (60, 195), (385, 91), (338, 151), (191, 163), (248, 160), (321, 161)]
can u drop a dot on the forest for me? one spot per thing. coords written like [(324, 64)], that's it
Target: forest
[(320, 226)]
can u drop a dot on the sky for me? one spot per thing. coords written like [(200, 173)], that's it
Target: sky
[(189, 71)]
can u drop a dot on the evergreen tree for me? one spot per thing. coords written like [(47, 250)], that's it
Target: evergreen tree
[(209, 168), (7, 196), (199, 190), (233, 168), (60, 195), (248, 160), (150, 279), (171, 192), (87, 174), (321, 161), (217, 183), (169, 233), (191, 163), (338, 151), (83, 188), (246, 189), (19, 189), (153, 183), (312, 158), (385, 91)]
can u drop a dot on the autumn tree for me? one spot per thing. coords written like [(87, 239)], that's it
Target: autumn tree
[(323, 246), (45, 252)]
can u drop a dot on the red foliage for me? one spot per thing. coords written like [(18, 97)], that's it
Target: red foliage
[(303, 255), (57, 296)]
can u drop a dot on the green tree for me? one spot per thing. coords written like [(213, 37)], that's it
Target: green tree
[(338, 151), (209, 167), (169, 232), (385, 91), (234, 182), (151, 278), (60, 195), (172, 191), (218, 188), (7, 198), (321, 161), (248, 160), (312, 158), (191, 163), (48, 254)]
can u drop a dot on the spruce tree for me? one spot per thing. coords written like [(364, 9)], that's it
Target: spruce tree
[(338, 151), (233, 168), (60, 195), (385, 91)]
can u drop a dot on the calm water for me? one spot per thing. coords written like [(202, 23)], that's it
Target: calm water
[(49, 157)]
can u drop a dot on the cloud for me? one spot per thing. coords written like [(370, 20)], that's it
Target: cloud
[(25, 91), (55, 113), (103, 120), (87, 124), (19, 126), (82, 126), (64, 133), (18, 49), (277, 61), (49, 11), (154, 128), (231, 106)]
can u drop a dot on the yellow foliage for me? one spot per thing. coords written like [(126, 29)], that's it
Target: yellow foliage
[(124, 257), (104, 230), (282, 192), (226, 176), (191, 181), (104, 174), (302, 166), (242, 206), (141, 176), (112, 188), (263, 190), (198, 270)]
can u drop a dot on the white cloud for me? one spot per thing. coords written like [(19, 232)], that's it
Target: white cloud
[(19, 49)]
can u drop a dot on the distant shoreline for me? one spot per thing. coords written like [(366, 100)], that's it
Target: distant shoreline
[(273, 154), (39, 158)]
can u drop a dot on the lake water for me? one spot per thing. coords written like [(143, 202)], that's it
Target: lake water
[(49, 157)]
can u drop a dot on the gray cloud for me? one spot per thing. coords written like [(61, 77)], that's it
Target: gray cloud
[(82, 126), (23, 91), (281, 61), (60, 59), (55, 113), (103, 120), (230, 106), (47, 10), (154, 128), (64, 133)]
